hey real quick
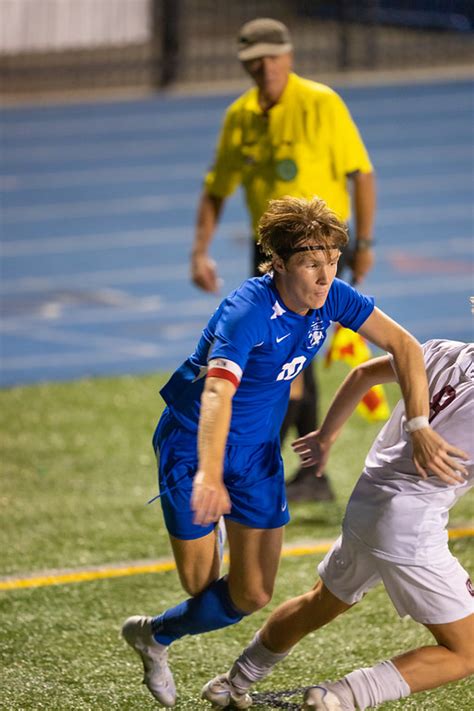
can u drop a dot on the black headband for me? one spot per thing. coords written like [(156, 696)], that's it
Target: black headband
[(307, 248)]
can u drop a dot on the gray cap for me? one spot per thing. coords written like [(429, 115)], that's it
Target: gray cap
[(263, 37)]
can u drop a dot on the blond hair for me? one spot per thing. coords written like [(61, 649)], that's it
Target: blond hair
[(290, 223)]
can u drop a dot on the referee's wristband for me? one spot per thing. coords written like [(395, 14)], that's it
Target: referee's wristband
[(416, 423), (364, 243)]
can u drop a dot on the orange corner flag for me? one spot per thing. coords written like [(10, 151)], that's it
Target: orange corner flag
[(349, 347)]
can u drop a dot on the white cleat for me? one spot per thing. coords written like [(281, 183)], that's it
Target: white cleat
[(321, 699), (222, 694), (136, 631)]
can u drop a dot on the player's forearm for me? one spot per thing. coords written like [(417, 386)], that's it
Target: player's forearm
[(214, 425), (407, 354), (209, 209), (350, 393), (411, 375), (364, 205)]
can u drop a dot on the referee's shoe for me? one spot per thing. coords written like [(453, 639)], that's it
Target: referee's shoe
[(306, 486)]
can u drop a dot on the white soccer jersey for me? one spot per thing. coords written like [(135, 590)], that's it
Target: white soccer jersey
[(397, 514)]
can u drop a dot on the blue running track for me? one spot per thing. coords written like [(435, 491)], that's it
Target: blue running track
[(98, 205)]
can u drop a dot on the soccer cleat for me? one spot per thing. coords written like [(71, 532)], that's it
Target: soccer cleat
[(320, 698), (305, 486), (222, 694), (136, 631)]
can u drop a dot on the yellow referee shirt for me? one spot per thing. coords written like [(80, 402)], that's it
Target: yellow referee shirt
[(305, 145)]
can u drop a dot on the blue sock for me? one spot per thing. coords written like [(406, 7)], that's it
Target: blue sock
[(210, 610)]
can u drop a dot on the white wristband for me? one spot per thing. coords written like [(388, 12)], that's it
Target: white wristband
[(416, 423)]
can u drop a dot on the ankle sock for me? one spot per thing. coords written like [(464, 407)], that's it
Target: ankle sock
[(255, 662), (373, 685)]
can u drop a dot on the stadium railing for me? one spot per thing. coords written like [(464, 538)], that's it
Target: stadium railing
[(88, 44)]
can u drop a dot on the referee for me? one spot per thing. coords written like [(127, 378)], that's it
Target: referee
[(287, 136)]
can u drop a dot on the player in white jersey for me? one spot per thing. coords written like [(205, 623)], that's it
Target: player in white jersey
[(394, 531)]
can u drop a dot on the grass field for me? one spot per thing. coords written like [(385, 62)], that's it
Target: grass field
[(77, 469)]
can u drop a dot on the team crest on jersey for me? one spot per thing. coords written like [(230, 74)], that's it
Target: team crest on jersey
[(316, 334), (470, 587)]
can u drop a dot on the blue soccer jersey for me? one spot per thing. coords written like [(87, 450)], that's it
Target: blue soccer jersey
[(267, 345)]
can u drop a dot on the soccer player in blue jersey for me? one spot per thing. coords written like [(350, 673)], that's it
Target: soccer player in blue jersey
[(217, 441)]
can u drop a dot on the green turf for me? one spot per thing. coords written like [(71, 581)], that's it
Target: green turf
[(60, 647), (76, 471)]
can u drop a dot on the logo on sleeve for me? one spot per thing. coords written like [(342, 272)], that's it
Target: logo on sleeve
[(292, 369), (470, 587)]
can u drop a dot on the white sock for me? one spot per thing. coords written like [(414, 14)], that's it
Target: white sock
[(255, 662), (373, 685)]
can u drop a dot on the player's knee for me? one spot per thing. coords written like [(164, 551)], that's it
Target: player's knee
[(250, 599), (194, 584), (323, 603), (467, 660), (192, 588), (464, 657)]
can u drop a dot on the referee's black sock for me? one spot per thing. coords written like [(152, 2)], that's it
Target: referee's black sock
[(292, 413)]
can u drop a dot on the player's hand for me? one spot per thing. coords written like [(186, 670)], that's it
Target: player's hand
[(312, 450), (204, 273), (431, 453), (361, 263), (210, 499)]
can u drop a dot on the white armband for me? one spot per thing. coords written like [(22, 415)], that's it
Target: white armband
[(416, 423)]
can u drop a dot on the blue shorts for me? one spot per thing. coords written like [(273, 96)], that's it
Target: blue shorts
[(253, 475)]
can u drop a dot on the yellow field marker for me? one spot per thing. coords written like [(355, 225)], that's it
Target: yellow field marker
[(81, 576)]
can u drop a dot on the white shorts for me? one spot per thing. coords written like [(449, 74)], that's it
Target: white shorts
[(434, 595)]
